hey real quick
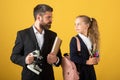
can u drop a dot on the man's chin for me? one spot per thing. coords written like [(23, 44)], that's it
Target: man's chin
[(45, 26), (48, 27)]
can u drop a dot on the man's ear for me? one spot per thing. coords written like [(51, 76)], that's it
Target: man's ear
[(39, 17)]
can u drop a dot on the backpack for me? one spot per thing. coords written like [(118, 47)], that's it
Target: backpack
[(68, 67)]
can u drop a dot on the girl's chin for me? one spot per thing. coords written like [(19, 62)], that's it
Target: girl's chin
[(77, 30)]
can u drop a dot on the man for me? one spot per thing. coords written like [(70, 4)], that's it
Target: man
[(37, 37)]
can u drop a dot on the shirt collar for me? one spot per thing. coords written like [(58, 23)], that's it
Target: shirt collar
[(86, 40), (36, 31), (82, 36)]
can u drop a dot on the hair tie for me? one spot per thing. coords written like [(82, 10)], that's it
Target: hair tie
[(91, 19)]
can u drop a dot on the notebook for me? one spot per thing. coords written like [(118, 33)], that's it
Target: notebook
[(56, 45)]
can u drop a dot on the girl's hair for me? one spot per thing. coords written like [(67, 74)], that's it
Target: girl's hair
[(93, 31)]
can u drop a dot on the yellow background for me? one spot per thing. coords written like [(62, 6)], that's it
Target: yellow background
[(18, 14)]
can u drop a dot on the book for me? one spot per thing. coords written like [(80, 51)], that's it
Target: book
[(56, 45)]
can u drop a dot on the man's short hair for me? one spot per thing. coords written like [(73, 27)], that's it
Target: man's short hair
[(41, 9)]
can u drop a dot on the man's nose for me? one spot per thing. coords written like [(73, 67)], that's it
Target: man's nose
[(50, 20)]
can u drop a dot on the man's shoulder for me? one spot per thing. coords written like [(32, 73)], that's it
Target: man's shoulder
[(24, 30), (51, 32)]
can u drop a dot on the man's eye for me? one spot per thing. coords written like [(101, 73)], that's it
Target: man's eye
[(49, 17)]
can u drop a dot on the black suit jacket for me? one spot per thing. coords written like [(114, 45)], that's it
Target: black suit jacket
[(87, 72), (25, 43)]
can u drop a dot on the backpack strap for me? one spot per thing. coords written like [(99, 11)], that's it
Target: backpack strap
[(78, 44)]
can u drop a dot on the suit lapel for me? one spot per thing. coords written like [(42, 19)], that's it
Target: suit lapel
[(46, 40), (33, 37)]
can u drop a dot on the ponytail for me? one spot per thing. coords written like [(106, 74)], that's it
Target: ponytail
[(93, 33)]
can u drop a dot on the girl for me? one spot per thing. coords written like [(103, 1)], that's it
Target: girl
[(88, 56)]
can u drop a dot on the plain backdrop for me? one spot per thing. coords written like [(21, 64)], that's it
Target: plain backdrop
[(16, 15)]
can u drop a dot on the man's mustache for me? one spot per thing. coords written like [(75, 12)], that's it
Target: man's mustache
[(49, 22)]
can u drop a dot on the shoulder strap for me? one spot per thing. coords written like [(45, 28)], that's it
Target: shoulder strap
[(78, 44)]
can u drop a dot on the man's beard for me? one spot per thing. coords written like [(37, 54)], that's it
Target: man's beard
[(45, 26)]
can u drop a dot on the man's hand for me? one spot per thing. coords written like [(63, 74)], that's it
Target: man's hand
[(51, 58), (29, 59)]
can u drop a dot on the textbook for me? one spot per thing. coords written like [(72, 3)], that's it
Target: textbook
[(56, 45)]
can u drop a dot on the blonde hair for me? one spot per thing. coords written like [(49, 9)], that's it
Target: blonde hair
[(93, 31)]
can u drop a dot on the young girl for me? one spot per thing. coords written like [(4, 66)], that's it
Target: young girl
[(88, 56)]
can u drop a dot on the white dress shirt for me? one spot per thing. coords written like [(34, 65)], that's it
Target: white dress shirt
[(87, 41), (39, 37)]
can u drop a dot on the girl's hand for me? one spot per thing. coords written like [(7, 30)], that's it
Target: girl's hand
[(92, 61)]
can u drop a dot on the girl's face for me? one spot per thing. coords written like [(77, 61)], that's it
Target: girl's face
[(81, 26)]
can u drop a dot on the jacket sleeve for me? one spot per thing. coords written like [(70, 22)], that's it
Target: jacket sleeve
[(74, 55), (17, 55), (59, 59), (59, 54)]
